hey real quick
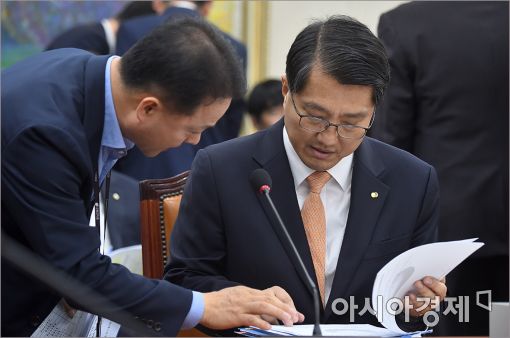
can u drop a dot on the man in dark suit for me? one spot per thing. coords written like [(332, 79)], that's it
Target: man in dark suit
[(100, 37), (175, 161), (447, 103), (67, 116), (376, 201)]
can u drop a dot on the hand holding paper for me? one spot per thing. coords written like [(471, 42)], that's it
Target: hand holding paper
[(429, 293), (398, 277)]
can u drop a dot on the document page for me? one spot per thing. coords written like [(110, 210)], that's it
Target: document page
[(130, 257), (349, 330), (83, 324), (59, 324)]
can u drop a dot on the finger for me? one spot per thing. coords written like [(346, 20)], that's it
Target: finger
[(282, 295), (271, 320), (268, 309), (416, 305), (252, 320), (68, 309), (422, 290), (301, 317), (290, 309), (421, 305), (438, 287)]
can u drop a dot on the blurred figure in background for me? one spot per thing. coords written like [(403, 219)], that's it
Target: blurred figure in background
[(265, 103), (175, 161), (100, 37), (447, 103)]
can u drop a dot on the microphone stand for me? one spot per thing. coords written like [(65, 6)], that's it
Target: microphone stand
[(316, 327)]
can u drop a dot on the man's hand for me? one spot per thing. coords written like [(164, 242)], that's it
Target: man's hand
[(243, 306), (428, 287), (67, 308)]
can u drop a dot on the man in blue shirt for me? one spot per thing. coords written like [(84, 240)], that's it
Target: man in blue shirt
[(67, 117)]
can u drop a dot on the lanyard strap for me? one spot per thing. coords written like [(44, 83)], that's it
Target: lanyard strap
[(98, 220)]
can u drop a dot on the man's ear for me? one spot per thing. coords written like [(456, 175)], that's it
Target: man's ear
[(205, 9), (285, 86), (159, 6), (147, 107)]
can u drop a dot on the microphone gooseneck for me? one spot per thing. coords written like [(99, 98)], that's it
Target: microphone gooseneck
[(261, 182)]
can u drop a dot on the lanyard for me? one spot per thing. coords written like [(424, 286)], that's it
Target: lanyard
[(97, 214)]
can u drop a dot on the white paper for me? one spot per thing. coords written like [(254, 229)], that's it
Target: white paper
[(352, 330), (108, 328), (83, 324), (59, 324), (396, 278), (130, 257)]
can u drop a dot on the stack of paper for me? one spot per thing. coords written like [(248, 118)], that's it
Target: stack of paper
[(396, 278), (345, 330)]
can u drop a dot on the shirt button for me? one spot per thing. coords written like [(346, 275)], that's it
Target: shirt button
[(150, 323), (157, 326)]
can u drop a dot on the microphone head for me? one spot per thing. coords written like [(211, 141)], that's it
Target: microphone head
[(260, 180)]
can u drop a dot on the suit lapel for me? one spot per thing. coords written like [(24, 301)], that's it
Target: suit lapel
[(94, 110), (364, 212), (271, 155)]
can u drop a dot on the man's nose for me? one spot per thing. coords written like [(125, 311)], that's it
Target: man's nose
[(329, 136)]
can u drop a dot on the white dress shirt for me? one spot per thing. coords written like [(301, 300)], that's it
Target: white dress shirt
[(336, 197)]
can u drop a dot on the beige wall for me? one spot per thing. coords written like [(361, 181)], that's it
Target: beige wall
[(285, 19)]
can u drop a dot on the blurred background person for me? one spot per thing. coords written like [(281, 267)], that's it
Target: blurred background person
[(175, 161), (100, 37), (265, 103), (447, 103)]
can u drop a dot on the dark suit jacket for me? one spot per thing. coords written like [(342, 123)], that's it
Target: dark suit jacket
[(447, 103), (90, 37), (226, 235), (52, 123), (175, 161)]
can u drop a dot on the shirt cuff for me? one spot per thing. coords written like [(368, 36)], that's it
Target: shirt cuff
[(195, 312)]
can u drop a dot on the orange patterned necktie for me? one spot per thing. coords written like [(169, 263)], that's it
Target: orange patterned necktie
[(314, 220)]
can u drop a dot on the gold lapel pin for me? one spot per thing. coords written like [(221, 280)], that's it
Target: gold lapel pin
[(374, 194)]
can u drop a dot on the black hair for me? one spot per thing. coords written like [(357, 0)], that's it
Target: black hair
[(265, 95), (201, 3), (134, 9), (343, 48), (185, 62)]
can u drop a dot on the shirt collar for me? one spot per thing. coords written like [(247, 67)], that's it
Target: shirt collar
[(184, 4), (112, 135), (341, 172)]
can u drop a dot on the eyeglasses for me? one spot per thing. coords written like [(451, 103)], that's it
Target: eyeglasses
[(318, 125)]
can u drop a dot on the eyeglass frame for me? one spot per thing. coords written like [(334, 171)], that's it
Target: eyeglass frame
[(329, 124)]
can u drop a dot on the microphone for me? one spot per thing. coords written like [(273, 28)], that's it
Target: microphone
[(261, 182)]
